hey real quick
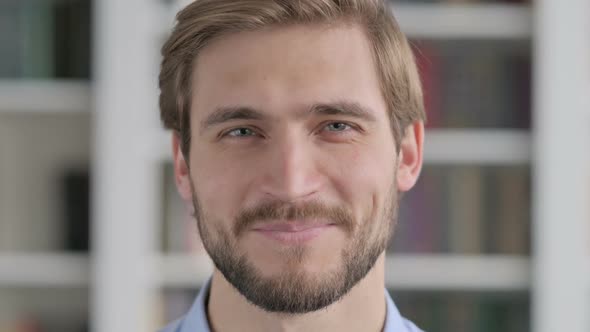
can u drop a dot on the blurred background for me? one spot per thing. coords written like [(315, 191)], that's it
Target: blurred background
[(494, 237)]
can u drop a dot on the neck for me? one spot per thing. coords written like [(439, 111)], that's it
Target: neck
[(363, 308)]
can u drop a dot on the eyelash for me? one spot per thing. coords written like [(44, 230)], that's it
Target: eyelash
[(348, 127), (228, 133)]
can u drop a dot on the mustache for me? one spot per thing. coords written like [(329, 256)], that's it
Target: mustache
[(277, 210)]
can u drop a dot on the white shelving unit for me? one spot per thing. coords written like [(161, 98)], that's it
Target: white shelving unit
[(46, 270), (458, 272), (48, 96), (561, 213), (482, 147), (477, 21), (126, 130)]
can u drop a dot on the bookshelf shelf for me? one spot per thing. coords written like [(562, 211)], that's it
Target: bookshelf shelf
[(183, 270), (458, 272), (464, 146), (418, 272), (479, 21), (44, 270), (44, 96)]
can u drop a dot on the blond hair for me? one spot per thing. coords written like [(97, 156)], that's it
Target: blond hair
[(203, 20)]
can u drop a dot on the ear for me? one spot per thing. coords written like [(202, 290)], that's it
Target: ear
[(410, 156), (181, 169)]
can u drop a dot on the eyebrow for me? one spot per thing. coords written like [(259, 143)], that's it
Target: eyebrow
[(343, 108), (230, 113)]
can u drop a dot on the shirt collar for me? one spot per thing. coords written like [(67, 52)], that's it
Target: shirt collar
[(196, 318)]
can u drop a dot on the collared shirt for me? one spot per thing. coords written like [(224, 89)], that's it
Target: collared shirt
[(196, 319)]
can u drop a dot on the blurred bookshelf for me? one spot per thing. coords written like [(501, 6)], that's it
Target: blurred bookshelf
[(461, 256), (45, 39), (463, 311), (45, 134), (36, 309)]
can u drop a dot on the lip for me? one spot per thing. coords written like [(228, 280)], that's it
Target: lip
[(292, 232), (288, 227)]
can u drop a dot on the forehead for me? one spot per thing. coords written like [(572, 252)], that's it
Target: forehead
[(286, 68)]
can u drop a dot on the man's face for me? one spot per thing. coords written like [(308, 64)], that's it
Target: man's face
[(292, 163)]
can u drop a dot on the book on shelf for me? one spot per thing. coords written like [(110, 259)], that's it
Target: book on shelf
[(43, 309), (466, 210), (428, 63), (421, 225), (465, 311), (23, 324), (34, 324), (27, 39), (508, 222), (475, 84), (76, 207), (38, 40), (73, 22), (459, 315), (497, 314), (45, 39), (11, 39)]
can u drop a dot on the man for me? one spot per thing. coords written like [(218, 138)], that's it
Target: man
[(296, 125)]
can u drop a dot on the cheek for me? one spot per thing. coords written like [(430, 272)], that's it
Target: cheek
[(219, 185), (370, 166), (365, 178)]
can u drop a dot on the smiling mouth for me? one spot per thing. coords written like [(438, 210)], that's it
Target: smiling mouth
[(292, 233)]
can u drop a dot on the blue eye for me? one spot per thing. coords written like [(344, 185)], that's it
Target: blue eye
[(337, 126), (241, 132)]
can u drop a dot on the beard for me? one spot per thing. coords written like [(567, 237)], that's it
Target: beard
[(295, 291)]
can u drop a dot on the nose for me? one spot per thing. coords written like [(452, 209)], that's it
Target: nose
[(291, 172)]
